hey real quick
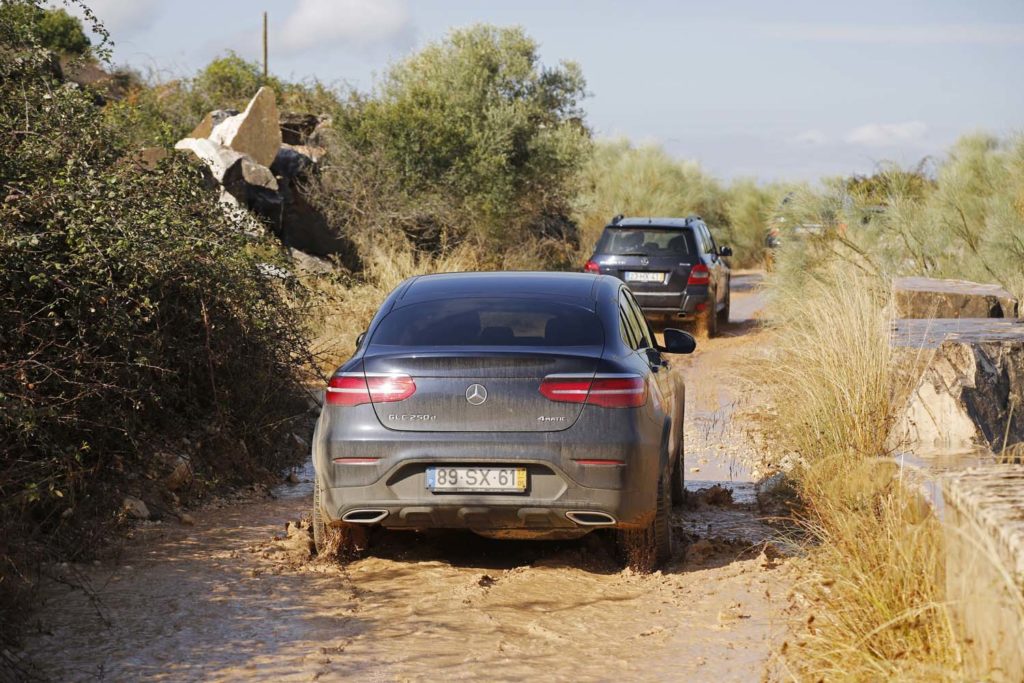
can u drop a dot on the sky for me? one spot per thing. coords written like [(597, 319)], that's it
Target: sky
[(781, 90)]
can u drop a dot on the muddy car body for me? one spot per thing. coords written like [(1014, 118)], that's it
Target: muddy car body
[(529, 405)]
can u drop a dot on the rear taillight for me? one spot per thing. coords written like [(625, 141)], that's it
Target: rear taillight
[(699, 275), (607, 391), (355, 388), (591, 267)]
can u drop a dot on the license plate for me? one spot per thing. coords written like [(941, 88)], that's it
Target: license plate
[(501, 479), (644, 277)]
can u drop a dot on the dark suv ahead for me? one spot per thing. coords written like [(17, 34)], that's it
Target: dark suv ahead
[(672, 265)]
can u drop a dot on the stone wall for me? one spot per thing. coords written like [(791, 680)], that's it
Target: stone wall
[(925, 297), (971, 392), (984, 522)]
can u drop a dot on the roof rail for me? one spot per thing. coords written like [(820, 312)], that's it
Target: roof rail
[(693, 217), (616, 219)]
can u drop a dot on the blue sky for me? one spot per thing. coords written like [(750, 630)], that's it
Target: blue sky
[(772, 90)]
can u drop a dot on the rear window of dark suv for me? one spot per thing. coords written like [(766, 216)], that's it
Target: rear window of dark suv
[(645, 241), (490, 321)]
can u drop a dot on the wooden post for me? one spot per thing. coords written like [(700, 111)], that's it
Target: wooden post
[(264, 46)]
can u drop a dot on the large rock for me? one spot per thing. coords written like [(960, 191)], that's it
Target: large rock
[(249, 183), (211, 121), (292, 162), (297, 127), (135, 508), (924, 297), (223, 162), (255, 131), (300, 224), (971, 392)]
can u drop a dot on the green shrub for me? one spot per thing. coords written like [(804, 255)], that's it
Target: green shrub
[(133, 314), (53, 29), (229, 81), (478, 119)]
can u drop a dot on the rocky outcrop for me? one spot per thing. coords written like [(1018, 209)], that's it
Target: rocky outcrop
[(924, 297), (984, 534), (248, 161), (255, 132), (971, 392), (210, 121), (297, 127)]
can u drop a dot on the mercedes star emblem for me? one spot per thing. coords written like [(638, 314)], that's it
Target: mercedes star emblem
[(476, 394)]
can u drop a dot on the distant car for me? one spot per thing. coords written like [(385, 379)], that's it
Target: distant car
[(517, 405), (672, 265)]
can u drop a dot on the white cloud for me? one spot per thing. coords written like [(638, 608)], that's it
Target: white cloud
[(362, 23), (811, 137), (120, 17), (887, 134), (933, 34)]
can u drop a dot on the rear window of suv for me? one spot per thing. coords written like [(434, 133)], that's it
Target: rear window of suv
[(490, 322), (645, 241)]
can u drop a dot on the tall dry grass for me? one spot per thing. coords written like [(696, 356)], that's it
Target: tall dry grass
[(875, 583)]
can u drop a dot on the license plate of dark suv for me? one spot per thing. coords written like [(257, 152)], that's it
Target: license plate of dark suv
[(634, 276)]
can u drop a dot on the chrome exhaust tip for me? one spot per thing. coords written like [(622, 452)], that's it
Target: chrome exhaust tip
[(364, 516), (586, 518)]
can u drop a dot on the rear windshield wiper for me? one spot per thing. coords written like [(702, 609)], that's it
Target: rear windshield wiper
[(631, 253)]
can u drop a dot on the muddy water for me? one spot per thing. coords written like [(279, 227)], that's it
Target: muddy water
[(233, 598)]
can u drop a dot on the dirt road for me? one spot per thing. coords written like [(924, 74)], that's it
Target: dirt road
[(224, 600)]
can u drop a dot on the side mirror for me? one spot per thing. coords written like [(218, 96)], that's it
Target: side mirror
[(725, 251), (359, 339), (677, 341)]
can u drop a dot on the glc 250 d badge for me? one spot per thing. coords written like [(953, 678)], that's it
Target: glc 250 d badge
[(476, 394)]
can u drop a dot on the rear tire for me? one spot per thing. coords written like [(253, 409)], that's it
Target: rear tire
[(679, 479), (647, 548), (347, 541), (707, 324), (723, 315), (323, 536)]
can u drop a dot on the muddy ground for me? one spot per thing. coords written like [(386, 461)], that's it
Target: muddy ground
[(235, 596)]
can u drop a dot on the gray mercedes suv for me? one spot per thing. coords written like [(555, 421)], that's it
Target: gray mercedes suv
[(672, 265), (517, 405)]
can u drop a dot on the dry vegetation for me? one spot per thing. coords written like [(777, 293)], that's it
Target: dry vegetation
[(875, 581), (876, 577)]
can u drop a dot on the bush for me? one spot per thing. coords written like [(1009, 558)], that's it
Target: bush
[(134, 320), (53, 29), (477, 119)]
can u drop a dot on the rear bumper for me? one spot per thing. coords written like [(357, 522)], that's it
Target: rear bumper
[(483, 511), (557, 483), (680, 305)]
